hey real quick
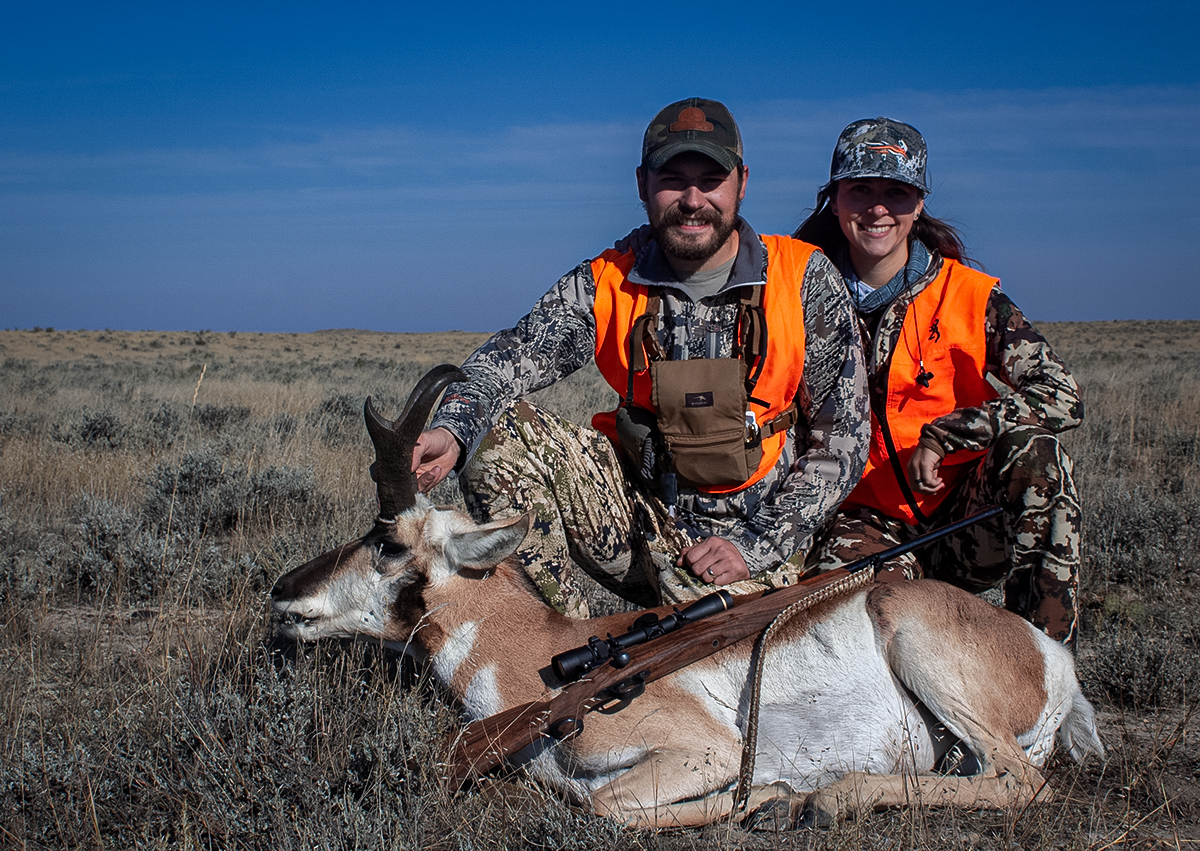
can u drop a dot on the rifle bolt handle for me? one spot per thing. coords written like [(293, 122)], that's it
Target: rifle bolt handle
[(630, 688), (620, 660)]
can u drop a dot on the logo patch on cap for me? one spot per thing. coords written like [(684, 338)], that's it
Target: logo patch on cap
[(693, 124), (900, 150), (692, 118)]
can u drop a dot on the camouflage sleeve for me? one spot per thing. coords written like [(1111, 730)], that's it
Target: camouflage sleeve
[(832, 437), (552, 341), (1043, 393)]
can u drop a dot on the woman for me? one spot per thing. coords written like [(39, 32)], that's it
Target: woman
[(939, 338)]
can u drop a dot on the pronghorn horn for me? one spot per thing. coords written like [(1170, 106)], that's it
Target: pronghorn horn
[(394, 441)]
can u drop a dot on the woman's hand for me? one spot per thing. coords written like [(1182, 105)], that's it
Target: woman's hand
[(635, 240), (714, 560), (924, 470)]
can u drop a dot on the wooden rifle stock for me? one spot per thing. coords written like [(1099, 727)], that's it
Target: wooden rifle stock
[(487, 743)]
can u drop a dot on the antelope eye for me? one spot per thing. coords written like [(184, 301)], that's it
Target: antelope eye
[(391, 549)]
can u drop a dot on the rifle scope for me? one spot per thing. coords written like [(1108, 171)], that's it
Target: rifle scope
[(572, 664)]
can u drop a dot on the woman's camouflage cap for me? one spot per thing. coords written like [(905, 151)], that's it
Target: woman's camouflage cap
[(880, 147)]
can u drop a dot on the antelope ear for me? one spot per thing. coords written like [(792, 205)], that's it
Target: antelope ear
[(486, 546)]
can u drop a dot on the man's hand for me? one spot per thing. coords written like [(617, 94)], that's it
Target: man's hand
[(715, 560), (434, 456), (924, 470)]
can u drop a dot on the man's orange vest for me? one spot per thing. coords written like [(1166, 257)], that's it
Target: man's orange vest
[(619, 302), (944, 328)]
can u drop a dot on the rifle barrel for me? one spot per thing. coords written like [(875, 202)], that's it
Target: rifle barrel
[(880, 557)]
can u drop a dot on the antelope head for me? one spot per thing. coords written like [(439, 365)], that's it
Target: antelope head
[(375, 586)]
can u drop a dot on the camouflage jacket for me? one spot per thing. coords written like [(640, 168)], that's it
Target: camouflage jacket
[(1042, 391), (771, 521)]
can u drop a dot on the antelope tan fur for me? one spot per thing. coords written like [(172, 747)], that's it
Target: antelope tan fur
[(861, 695)]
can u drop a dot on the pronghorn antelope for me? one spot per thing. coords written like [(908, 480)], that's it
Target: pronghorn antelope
[(857, 693)]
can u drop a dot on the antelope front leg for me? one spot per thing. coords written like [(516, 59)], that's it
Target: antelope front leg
[(643, 796), (858, 791)]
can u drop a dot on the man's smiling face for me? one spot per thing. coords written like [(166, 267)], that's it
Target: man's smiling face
[(692, 202)]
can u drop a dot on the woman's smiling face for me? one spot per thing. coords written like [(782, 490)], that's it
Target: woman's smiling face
[(876, 215)]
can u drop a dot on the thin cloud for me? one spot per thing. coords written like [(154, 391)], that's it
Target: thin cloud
[(396, 154), (1058, 182)]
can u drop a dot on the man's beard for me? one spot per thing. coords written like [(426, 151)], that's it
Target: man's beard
[(692, 248)]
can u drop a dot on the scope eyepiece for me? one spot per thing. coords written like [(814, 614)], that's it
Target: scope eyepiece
[(710, 604)]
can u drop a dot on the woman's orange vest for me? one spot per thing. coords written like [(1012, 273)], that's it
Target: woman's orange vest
[(944, 328), (619, 302)]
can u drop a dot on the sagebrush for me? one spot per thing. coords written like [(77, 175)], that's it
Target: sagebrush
[(154, 485)]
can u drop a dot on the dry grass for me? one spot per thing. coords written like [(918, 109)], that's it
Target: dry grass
[(153, 485)]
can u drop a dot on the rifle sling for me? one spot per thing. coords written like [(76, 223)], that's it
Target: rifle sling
[(846, 584)]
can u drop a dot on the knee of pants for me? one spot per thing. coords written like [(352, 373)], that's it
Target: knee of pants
[(1029, 457), (505, 449), (520, 423)]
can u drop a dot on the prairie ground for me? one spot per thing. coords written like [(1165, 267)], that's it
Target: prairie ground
[(153, 486)]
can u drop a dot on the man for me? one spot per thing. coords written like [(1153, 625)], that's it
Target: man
[(743, 422)]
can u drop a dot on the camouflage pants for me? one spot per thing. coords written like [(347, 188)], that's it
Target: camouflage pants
[(1031, 550), (593, 530)]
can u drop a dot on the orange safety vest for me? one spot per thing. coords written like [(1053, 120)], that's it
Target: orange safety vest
[(619, 302), (944, 328)]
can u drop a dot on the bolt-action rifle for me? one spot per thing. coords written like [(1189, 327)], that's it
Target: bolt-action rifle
[(615, 671)]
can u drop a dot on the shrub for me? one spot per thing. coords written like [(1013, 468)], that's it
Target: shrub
[(216, 418), (203, 493), (103, 428), (164, 421), (1140, 668), (283, 425), (1141, 535), (118, 558), (9, 424), (28, 555), (338, 419)]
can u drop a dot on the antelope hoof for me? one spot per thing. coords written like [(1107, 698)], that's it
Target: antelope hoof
[(777, 815), (819, 811)]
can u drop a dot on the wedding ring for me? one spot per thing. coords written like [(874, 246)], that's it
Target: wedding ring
[(710, 573)]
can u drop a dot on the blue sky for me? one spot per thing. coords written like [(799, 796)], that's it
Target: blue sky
[(409, 167)]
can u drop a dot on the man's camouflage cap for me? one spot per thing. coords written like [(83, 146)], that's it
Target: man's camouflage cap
[(880, 147), (694, 124)]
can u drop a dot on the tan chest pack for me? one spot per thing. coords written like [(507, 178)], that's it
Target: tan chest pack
[(702, 429)]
